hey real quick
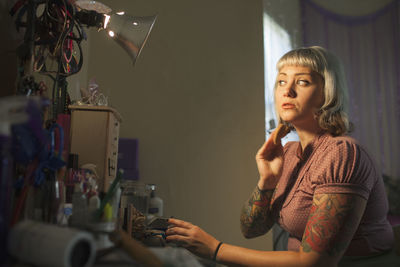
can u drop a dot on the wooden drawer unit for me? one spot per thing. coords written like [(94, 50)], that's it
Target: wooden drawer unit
[(94, 137)]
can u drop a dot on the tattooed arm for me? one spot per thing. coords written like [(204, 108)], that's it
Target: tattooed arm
[(333, 220), (255, 218), (332, 223)]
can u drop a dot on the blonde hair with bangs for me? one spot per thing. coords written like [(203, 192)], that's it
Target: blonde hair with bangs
[(331, 116)]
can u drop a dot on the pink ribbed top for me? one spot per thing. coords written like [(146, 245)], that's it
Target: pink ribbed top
[(332, 165)]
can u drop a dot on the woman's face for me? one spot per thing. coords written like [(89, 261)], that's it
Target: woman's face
[(298, 95)]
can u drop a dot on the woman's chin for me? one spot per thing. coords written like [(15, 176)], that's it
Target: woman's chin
[(288, 119)]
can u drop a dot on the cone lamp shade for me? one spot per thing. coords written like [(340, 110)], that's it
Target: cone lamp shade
[(129, 32)]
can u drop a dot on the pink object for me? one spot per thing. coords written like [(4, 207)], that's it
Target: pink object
[(64, 120)]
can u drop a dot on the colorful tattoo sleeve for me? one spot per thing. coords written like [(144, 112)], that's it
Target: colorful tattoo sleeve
[(332, 223), (255, 218)]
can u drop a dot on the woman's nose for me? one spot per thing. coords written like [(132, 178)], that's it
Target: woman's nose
[(290, 90)]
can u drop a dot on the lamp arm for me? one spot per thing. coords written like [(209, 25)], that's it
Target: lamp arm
[(90, 18)]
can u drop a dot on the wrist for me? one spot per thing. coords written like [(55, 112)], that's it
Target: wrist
[(266, 184), (217, 250)]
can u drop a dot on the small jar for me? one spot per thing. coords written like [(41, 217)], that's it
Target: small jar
[(135, 193)]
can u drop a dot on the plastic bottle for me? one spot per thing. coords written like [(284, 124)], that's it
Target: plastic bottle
[(156, 204), (79, 207)]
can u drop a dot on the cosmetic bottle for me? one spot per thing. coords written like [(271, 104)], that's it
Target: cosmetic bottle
[(156, 204)]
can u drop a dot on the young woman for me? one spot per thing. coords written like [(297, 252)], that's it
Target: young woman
[(324, 190)]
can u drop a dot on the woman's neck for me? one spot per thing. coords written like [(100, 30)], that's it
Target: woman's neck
[(307, 134)]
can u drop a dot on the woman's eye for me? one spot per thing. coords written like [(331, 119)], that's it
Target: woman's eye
[(303, 82), (281, 82)]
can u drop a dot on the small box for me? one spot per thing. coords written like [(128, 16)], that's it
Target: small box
[(128, 150)]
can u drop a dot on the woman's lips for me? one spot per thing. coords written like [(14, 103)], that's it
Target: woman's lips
[(288, 106)]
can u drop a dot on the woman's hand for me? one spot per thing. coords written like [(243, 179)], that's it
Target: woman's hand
[(269, 159), (192, 238)]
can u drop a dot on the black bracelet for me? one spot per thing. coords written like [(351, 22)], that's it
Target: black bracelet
[(216, 251)]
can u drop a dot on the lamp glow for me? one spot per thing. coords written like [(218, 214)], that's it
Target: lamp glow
[(106, 20)]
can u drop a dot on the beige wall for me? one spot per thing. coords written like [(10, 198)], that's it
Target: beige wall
[(195, 101)]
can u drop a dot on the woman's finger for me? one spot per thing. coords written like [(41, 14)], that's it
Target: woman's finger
[(177, 231), (267, 150), (269, 144), (179, 223), (280, 132), (262, 148)]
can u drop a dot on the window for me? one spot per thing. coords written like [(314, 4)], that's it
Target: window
[(276, 43)]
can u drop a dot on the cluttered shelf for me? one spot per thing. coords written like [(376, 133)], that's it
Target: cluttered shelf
[(84, 226), (59, 190), (72, 208)]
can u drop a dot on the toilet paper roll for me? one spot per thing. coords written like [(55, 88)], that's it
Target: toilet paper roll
[(50, 245)]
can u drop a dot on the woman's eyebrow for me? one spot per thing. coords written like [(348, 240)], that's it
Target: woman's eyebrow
[(297, 74), (303, 73)]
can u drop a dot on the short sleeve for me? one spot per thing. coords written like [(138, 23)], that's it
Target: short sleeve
[(344, 167)]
